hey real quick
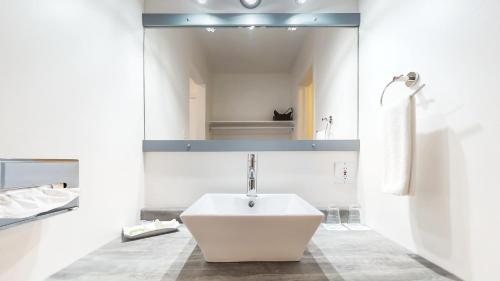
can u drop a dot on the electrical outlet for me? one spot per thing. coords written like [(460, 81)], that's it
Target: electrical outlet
[(344, 172)]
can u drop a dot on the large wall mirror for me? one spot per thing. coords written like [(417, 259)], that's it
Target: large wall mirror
[(251, 83)]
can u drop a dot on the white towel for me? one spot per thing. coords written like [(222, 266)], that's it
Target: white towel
[(398, 146), (27, 202)]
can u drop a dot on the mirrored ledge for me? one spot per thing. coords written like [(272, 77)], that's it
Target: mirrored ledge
[(249, 145)]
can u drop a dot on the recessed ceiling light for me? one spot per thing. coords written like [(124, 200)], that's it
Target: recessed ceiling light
[(292, 28), (250, 4), (211, 29), (300, 2), (202, 2)]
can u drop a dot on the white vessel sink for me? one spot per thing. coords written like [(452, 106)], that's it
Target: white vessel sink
[(277, 228)]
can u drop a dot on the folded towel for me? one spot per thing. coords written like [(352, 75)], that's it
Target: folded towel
[(28, 202), (398, 146)]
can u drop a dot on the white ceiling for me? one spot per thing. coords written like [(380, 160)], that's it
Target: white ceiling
[(234, 6), (253, 51), (260, 50)]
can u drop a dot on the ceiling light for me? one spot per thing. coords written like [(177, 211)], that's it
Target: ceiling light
[(202, 2), (292, 28), (250, 4), (211, 29), (300, 2)]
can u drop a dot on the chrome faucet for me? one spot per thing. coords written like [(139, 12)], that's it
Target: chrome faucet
[(252, 175)]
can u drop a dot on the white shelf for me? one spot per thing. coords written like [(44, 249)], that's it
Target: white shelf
[(251, 125)]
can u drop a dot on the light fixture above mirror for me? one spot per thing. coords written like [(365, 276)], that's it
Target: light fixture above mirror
[(250, 4)]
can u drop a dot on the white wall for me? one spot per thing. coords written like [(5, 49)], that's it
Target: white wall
[(177, 179), (333, 55), (172, 57), (70, 87), (249, 96), (452, 220)]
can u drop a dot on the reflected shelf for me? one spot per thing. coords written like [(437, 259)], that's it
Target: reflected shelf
[(251, 125)]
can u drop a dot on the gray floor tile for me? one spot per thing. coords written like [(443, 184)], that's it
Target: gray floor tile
[(331, 256)]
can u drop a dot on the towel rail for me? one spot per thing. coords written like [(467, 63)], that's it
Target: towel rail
[(411, 79)]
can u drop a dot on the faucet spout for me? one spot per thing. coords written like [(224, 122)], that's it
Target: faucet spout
[(252, 175)]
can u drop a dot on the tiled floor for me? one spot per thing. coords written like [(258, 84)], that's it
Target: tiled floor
[(331, 255)]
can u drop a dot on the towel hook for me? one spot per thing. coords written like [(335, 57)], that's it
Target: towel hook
[(410, 79)]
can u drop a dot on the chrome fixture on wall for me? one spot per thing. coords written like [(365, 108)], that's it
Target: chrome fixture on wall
[(410, 79), (250, 4), (27, 173)]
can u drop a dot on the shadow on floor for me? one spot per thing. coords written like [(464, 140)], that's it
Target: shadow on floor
[(436, 269), (310, 268)]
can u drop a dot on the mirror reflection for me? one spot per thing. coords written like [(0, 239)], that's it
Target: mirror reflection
[(251, 83)]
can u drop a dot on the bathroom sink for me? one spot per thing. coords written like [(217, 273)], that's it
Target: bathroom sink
[(238, 228)]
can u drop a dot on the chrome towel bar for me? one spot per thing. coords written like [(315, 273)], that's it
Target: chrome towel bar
[(411, 79)]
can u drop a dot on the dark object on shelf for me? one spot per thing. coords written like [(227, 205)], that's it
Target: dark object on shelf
[(286, 116)]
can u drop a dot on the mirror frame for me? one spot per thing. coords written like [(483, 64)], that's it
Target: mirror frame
[(169, 20)]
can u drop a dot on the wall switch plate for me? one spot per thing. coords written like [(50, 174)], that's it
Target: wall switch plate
[(344, 172)]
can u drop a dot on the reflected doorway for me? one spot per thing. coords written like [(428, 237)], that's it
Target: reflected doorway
[(305, 107), (197, 111)]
